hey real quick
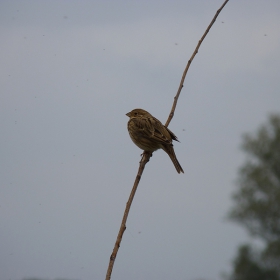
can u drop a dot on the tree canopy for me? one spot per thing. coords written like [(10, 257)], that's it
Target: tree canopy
[(257, 202)]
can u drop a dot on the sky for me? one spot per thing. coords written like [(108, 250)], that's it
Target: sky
[(70, 71)]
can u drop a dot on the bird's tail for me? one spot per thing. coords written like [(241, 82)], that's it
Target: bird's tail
[(170, 151)]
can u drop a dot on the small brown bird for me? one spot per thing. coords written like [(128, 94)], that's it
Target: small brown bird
[(149, 134)]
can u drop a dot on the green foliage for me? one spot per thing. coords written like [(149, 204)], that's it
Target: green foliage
[(247, 266), (257, 202), (258, 197)]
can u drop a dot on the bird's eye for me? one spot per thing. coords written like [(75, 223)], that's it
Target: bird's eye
[(135, 114)]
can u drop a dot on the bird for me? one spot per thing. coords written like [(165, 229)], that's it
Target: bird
[(149, 134)]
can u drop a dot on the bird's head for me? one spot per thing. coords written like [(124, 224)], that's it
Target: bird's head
[(136, 113)]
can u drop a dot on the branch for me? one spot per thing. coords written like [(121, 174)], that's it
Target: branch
[(146, 155), (145, 158), (189, 63)]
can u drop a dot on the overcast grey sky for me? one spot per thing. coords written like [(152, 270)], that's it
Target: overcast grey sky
[(70, 71)]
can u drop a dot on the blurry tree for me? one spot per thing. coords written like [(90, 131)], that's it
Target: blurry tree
[(248, 266), (257, 204)]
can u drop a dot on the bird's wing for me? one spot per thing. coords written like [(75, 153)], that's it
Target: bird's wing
[(159, 131), (173, 136), (154, 129)]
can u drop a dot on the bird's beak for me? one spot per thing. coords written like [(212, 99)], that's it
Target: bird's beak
[(128, 114)]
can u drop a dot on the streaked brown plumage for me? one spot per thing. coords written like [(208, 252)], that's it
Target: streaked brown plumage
[(149, 134)]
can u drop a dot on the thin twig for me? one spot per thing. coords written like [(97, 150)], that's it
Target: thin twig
[(146, 155), (189, 63), (145, 158)]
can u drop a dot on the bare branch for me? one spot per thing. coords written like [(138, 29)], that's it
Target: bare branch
[(188, 65), (145, 158), (146, 155)]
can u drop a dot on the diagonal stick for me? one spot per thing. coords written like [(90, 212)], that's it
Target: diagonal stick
[(146, 155)]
